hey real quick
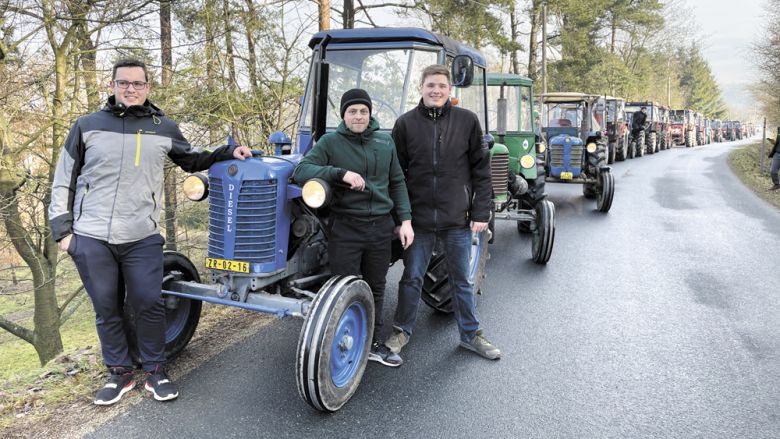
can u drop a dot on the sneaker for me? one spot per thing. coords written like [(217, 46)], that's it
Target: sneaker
[(482, 346), (160, 385), (397, 341), (774, 187), (381, 354), (120, 382)]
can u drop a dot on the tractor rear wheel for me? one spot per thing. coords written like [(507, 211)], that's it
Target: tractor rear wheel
[(436, 289), (652, 143), (181, 315)]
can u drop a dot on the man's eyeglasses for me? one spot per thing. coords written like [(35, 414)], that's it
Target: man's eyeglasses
[(138, 85)]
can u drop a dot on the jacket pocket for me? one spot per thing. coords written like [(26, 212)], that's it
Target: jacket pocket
[(81, 203), (154, 209)]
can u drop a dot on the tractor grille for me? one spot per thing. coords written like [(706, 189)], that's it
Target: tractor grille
[(254, 221), (558, 156), (499, 171)]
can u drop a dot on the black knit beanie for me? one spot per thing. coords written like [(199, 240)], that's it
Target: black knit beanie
[(355, 96)]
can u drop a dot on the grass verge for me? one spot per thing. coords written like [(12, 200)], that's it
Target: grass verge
[(745, 162)]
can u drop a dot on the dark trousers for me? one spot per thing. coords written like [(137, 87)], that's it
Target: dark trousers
[(107, 271), (362, 247), (774, 168)]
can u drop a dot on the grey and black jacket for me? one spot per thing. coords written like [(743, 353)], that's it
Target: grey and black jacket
[(109, 177)]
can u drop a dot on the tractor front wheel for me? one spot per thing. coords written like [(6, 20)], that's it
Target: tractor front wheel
[(605, 191), (334, 343), (544, 232)]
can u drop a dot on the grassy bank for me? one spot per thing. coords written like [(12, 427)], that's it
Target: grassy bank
[(745, 163)]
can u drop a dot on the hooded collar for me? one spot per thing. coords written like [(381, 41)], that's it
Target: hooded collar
[(434, 112), (373, 126), (120, 110)]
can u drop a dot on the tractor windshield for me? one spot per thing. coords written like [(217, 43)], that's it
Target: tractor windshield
[(612, 111), (678, 117), (518, 107), (471, 98), (390, 76), (562, 115)]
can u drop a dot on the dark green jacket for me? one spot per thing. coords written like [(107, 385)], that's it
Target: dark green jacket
[(372, 155)]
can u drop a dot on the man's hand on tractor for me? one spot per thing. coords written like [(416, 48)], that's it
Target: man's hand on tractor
[(242, 152), (478, 227), (354, 180), (406, 234)]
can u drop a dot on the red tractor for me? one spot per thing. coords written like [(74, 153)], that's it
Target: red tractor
[(617, 128), (653, 124), (683, 128)]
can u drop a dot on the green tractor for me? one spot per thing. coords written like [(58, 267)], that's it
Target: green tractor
[(517, 163)]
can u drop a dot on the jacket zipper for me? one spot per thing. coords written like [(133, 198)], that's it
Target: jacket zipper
[(81, 204), (435, 167), (137, 147), (153, 209)]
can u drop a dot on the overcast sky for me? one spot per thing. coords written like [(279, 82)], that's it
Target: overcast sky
[(727, 29)]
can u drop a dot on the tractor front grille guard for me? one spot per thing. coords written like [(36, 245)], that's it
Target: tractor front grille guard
[(499, 173), (255, 221)]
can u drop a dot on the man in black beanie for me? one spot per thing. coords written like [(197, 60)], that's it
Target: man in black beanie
[(361, 226)]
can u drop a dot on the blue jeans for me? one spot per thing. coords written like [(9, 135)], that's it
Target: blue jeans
[(457, 246), (775, 168)]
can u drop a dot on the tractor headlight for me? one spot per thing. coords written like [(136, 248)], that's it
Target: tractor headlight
[(541, 147), (591, 148), (316, 193), (527, 161), (196, 187)]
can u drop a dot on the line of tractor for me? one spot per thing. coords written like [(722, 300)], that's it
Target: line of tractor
[(267, 243)]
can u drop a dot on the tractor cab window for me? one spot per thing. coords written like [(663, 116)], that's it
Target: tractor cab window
[(526, 110), (473, 97), (562, 115), (390, 76), (612, 113), (512, 96), (678, 117)]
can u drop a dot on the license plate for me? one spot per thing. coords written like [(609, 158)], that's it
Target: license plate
[(566, 175), (223, 264)]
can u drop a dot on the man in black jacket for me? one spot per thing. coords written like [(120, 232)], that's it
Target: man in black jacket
[(447, 168)]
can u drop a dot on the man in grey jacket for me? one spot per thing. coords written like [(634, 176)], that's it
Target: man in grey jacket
[(105, 210)]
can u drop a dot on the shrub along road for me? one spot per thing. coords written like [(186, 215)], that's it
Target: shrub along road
[(658, 319)]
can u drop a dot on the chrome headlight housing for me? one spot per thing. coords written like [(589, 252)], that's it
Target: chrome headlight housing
[(196, 187), (316, 193)]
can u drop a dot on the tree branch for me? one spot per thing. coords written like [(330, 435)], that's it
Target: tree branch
[(17, 330)]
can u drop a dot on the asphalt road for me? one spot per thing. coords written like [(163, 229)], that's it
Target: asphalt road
[(658, 319)]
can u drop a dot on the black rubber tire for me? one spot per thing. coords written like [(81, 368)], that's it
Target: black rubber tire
[(652, 143), (313, 360), (612, 152), (544, 233), (596, 161), (621, 153), (436, 291), (187, 311), (606, 192), (640, 145)]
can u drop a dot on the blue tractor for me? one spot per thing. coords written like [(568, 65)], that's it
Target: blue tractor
[(577, 146), (267, 245)]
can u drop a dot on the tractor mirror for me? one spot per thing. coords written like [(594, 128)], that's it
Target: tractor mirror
[(462, 71), (488, 140)]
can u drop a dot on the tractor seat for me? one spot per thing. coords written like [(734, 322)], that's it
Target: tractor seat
[(564, 123)]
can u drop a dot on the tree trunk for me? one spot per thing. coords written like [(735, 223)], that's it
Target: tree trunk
[(533, 42), (170, 188), (229, 57), (250, 23), (324, 14), (514, 36), (349, 14)]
